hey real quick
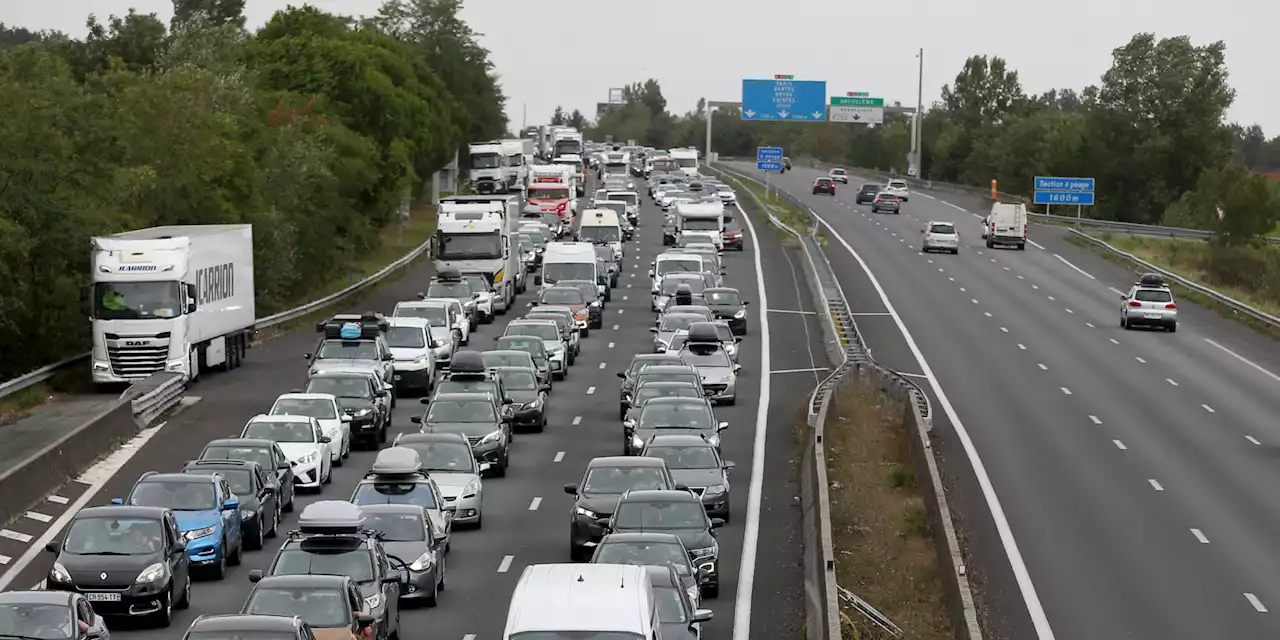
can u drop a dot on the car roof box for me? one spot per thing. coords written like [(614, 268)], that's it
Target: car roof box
[(467, 362), (448, 274), (331, 517), (354, 326), (396, 461), (703, 333), (1151, 280)]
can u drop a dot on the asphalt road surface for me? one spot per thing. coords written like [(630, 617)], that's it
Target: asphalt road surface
[(1135, 470), (527, 512)]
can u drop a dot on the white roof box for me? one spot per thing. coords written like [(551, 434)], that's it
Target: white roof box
[(331, 517), (397, 461)]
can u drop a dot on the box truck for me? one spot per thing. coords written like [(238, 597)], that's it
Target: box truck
[(176, 298)]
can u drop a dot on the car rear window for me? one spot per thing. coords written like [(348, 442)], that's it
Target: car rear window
[(943, 228), (1152, 295)]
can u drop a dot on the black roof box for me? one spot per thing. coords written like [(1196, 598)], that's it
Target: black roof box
[(1151, 280), (703, 333), (467, 362), (331, 517), (448, 274), (354, 326)]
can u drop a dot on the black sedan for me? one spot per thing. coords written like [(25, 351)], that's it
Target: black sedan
[(728, 306), (867, 194), (824, 185)]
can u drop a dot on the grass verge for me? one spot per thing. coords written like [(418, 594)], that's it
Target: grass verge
[(1186, 258), (784, 211), (879, 524), (396, 242)]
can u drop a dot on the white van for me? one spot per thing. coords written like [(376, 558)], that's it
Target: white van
[(687, 160), (568, 261), (1007, 225), (601, 226), (675, 262), (573, 600)]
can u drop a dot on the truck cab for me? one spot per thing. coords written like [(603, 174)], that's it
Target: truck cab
[(488, 167), (473, 235), (517, 166)]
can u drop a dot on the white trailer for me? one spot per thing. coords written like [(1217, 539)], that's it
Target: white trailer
[(473, 235), (517, 163), (176, 298)]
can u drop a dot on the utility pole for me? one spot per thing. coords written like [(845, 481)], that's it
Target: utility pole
[(916, 129), (524, 118), (706, 106)]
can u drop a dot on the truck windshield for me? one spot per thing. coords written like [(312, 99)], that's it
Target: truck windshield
[(556, 271), (137, 300), (486, 161), (548, 193), (515, 160), (470, 246), (687, 162), (700, 224)]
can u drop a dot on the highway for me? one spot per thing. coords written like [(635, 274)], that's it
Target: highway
[(527, 512), (1130, 473)]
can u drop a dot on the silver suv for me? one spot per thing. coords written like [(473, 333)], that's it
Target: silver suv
[(1149, 303)]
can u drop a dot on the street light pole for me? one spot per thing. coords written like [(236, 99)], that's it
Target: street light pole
[(916, 131), (709, 109)]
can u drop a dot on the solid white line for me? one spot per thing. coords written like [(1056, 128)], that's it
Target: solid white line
[(57, 499), (15, 535), (591, 391), (1155, 485), (1245, 360), (809, 370), (803, 313), (1035, 609), (1253, 440), (1066, 391), (751, 536), (533, 506), (1200, 536), (1095, 419), (1116, 291), (39, 517), (559, 457), (1035, 244), (912, 375), (1257, 604), (1068, 263), (505, 565), (1208, 408), (577, 420), (873, 313), (1120, 445), (610, 345)]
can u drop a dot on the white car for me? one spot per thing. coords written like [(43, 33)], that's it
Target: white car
[(461, 324), (839, 175), (440, 317), (940, 236), (448, 459), (484, 300), (335, 423), (303, 443), (414, 348), (897, 188)]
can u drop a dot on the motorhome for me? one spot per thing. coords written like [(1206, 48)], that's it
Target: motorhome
[(701, 218), (473, 235), (687, 159), (616, 163), (601, 226), (176, 298), (488, 167), (568, 261), (565, 173)]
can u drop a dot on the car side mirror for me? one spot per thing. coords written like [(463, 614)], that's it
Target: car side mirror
[(651, 273), (571, 489), (531, 304), (746, 302), (730, 466), (737, 339), (722, 426), (51, 547), (702, 615), (346, 417), (604, 522), (441, 539), (485, 467), (737, 368), (326, 439), (306, 356), (716, 523), (231, 504), (424, 400), (1124, 296), (364, 621), (537, 280), (255, 576), (415, 419), (284, 465), (653, 329), (117, 501), (622, 375)]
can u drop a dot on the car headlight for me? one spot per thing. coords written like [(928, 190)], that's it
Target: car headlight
[(714, 490), (470, 304), (471, 489), (492, 437), (422, 359), (373, 601), (307, 459), (153, 573), (595, 304), (195, 534), (637, 442), (424, 562), (59, 574), (248, 514), (706, 553), (742, 313), (366, 411), (580, 511)]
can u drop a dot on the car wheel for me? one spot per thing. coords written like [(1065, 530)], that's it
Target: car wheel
[(501, 471), (220, 569), (256, 542), (185, 601), (1173, 327), (288, 506), (336, 461), (235, 558), (578, 554), (1124, 322), (275, 522), (444, 564), (434, 599), (164, 617)]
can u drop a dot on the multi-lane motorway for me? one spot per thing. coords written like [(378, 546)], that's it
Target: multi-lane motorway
[(527, 512), (1112, 483)]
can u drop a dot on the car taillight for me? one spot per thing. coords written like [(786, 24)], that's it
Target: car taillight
[(1171, 305), (1025, 228), (1135, 303)]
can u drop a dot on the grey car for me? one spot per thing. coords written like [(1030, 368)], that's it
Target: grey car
[(552, 338), (717, 369), (476, 416), (667, 327), (651, 550), (509, 350), (695, 462), (640, 362), (574, 334), (406, 533), (674, 416)]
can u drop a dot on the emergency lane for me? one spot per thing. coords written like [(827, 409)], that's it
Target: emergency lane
[(1077, 429)]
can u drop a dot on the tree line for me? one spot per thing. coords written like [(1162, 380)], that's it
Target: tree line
[(1152, 132), (312, 128)]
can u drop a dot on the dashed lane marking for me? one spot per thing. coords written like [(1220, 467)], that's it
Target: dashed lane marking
[(15, 535), (1068, 263), (57, 499), (1120, 445), (1208, 408), (591, 391), (533, 506), (1253, 440), (1245, 360), (1042, 366), (1065, 391), (39, 517), (1155, 485), (1200, 536), (505, 565), (1257, 604), (577, 420), (611, 345), (602, 365), (559, 457), (1094, 419)]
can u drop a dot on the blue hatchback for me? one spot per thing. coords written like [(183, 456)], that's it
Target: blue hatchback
[(208, 514)]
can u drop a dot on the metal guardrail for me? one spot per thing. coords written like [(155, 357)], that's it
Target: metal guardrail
[(44, 373), (1216, 296)]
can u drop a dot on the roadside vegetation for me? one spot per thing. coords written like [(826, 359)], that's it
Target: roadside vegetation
[(201, 121), (880, 529)]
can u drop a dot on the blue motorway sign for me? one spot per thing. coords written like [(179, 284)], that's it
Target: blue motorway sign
[(1064, 197), (768, 154), (785, 100), (1082, 185), (768, 165)]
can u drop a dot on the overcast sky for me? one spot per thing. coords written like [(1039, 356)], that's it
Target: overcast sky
[(704, 48)]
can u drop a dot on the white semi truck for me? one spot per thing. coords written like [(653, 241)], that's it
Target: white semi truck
[(176, 298), (566, 141), (488, 167), (517, 163), (473, 235)]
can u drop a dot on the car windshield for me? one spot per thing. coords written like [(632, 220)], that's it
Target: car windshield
[(414, 493), (240, 480), (533, 237), (700, 356), (486, 160), (600, 234), (556, 271), (320, 608), (612, 480), (543, 193), (670, 605), (722, 297), (340, 386), (459, 290), (280, 431), (406, 338), (660, 515), (649, 392), (397, 527), (528, 345), (476, 281), (687, 162), (320, 409), (639, 365), (676, 322), (561, 295), (544, 331), (824, 181), (436, 315), (685, 457), (604, 252), (619, 208), (444, 457), (679, 265), (260, 455), (627, 197), (641, 553), (179, 496), (675, 416), (870, 188), (837, 172), (898, 184), (348, 350), (518, 380), (942, 227), (461, 411), (1152, 295), (37, 621), (669, 285), (114, 536)]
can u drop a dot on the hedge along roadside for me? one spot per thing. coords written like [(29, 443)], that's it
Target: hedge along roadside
[(822, 608), (40, 375)]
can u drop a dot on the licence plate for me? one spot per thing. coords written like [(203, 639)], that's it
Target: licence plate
[(102, 597), (1153, 316)]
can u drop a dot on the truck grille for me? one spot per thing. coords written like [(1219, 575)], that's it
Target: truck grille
[(137, 362)]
